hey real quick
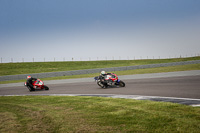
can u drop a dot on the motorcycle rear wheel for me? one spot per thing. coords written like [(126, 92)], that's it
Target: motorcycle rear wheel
[(121, 83), (46, 88)]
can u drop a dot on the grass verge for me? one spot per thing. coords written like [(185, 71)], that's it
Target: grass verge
[(40, 67), (94, 114), (128, 72)]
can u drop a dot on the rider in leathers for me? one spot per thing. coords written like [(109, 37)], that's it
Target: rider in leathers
[(30, 81), (102, 78)]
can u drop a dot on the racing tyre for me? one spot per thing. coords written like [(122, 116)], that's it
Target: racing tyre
[(104, 86), (30, 89), (46, 88), (101, 85), (121, 83)]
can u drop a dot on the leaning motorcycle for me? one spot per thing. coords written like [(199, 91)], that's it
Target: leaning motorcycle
[(37, 85), (109, 79)]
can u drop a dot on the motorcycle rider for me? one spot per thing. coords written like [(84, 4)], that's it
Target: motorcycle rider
[(103, 73), (30, 81), (103, 79)]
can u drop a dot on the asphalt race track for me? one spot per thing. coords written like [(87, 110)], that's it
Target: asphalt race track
[(184, 89)]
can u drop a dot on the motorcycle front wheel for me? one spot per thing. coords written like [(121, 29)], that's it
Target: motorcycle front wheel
[(30, 89), (102, 85)]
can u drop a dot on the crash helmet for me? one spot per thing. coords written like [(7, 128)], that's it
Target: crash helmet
[(103, 72), (28, 77)]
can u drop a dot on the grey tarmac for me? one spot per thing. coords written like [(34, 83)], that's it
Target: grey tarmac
[(177, 87)]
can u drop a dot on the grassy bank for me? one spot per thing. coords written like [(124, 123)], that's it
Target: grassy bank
[(94, 114), (128, 72), (40, 67)]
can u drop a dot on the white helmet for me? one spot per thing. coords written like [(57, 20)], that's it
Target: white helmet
[(28, 77), (103, 72)]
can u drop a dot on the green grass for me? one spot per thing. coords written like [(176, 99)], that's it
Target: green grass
[(40, 67), (128, 72), (94, 114)]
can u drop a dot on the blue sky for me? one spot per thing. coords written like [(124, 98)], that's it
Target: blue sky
[(98, 29)]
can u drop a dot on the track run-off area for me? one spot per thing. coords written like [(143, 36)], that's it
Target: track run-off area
[(178, 87)]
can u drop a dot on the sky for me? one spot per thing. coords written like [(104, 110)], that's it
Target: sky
[(66, 30)]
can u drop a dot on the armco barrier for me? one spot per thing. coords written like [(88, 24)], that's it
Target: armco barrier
[(88, 71)]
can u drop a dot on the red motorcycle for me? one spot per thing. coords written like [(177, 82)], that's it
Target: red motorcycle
[(110, 79), (37, 85)]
